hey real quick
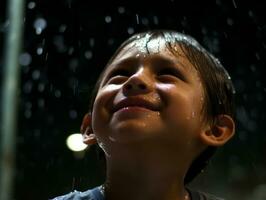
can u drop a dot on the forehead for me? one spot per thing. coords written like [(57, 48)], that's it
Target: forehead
[(144, 48)]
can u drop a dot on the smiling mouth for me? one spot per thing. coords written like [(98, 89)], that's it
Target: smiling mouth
[(133, 109), (135, 105)]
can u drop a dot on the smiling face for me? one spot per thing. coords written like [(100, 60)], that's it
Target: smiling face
[(148, 97)]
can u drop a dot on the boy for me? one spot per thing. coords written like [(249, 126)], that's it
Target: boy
[(162, 105)]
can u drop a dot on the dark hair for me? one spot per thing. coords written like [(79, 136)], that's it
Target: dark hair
[(218, 88)]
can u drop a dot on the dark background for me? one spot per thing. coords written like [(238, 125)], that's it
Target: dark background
[(63, 54)]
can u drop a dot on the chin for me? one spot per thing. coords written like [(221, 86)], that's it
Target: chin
[(132, 131)]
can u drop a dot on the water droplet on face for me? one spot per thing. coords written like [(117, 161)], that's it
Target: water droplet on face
[(112, 139), (102, 146), (193, 114)]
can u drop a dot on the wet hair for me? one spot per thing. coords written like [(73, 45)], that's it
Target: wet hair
[(218, 88)]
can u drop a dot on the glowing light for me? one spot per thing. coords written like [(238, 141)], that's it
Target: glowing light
[(74, 142)]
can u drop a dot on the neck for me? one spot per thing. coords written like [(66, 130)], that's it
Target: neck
[(148, 175)]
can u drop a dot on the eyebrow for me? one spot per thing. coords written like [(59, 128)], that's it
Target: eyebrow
[(156, 60)]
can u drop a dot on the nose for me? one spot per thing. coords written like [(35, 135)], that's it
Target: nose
[(138, 83)]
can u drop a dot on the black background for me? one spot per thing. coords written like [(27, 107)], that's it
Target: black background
[(75, 45)]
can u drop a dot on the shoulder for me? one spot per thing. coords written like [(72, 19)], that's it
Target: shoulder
[(208, 196), (91, 194), (199, 195)]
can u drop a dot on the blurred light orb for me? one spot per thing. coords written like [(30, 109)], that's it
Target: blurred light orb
[(74, 142)]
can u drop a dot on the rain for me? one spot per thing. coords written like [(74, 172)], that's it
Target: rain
[(66, 45)]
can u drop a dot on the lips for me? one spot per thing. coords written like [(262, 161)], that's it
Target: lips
[(135, 102)]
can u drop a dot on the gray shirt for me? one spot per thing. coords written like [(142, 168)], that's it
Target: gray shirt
[(97, 194)]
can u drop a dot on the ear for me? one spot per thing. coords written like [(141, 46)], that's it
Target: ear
[(221, 131), (86, 130)]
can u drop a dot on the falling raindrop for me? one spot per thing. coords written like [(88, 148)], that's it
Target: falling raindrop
[(73, 64), (62, 28), (137, 18), (39, 50), (28, 105), (88, 55), (257, 56), (108, 19), (250, 13), (57, 93), (144, 21), (25, 59), (27, 87), (41, 87), (155, 20), (110, 41), (59, 43), (234, 3), (70, 50), (92, 42), (41, 103), (230, 21), (39, 25), (27, 113), (73, 114), (121, 10), (31, 5), (36, 74), (130, 30)]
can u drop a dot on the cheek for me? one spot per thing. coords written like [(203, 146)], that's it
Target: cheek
[(101, 107), (183, 105)]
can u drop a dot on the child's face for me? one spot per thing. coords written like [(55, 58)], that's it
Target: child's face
[(155, 97)]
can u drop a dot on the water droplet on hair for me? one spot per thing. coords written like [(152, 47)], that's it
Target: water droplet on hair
[(112, 139)]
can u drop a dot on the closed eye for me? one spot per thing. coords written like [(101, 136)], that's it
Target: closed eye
[(170, 73), (117, 76)]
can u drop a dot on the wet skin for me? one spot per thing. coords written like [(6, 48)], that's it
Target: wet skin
[(153, 99)]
